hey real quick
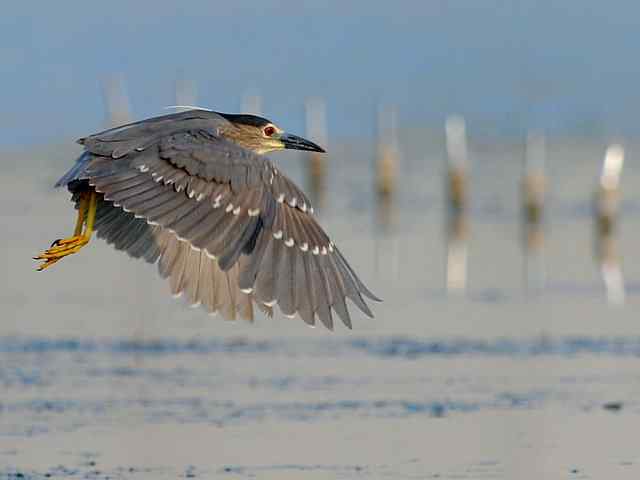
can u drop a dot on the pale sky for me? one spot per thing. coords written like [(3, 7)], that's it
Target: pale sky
[(507, 65)]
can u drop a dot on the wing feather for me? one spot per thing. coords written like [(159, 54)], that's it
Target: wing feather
[(266, 281), (324, 294), (250, 265)]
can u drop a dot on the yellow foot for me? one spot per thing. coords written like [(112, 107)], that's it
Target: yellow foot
[(67, 246), (60, 249)]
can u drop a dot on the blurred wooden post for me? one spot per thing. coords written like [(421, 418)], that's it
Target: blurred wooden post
[(118, 113), (386, 171), (533, 192), (387, 155), (606, 215), (316, 130), (457, 204), (251, 103), (186, 93), (116, 101)]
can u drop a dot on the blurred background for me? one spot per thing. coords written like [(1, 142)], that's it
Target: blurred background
[(508, 66), (481, 178)]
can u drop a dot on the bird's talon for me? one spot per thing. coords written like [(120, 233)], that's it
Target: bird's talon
[(47, 264), (55, 242), (60, 249), (64, 242)]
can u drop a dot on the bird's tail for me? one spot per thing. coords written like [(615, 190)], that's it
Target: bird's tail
[(76, 172)]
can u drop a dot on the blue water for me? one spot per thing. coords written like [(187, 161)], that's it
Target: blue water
[(396, 347)]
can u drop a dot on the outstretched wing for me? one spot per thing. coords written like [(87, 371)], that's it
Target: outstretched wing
[(190, 273), (179, 173)]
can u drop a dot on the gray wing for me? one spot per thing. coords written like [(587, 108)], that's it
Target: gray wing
[(232, 205)]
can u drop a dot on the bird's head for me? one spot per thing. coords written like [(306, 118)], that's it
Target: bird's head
[(262, 136)]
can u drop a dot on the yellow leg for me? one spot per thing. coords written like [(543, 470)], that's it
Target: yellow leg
[(67, 246), (82, 211)]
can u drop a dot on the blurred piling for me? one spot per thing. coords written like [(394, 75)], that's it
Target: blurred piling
[(186, 92), (316, 130), (457, 204), (251, 103), (607, 200), (387, 155), (118, 113), (386, 177), (534, 185), (116, 101)]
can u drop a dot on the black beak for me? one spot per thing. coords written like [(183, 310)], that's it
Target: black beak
[(294, 142)]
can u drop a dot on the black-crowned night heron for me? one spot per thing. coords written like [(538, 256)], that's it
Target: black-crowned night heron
[(194, 192)]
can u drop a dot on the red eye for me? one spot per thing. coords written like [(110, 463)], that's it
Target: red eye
[(268, 131)]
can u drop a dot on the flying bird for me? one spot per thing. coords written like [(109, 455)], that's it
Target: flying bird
[(193, 192)]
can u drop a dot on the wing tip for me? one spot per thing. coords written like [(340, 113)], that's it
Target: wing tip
[(371, 296), (367, 311)]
